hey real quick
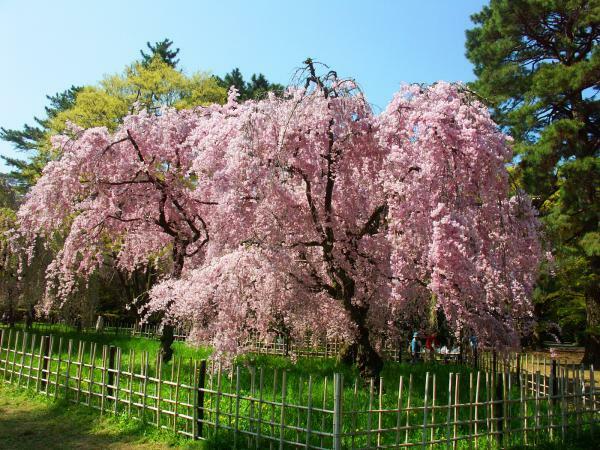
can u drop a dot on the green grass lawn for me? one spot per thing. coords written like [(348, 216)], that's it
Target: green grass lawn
[(29, 421)]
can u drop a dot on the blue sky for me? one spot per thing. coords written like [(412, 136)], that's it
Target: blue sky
[(51, 45)]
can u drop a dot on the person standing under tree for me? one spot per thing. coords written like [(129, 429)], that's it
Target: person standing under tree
[(415, 347)]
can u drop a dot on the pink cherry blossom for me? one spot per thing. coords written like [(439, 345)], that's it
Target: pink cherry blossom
[(302, 213)]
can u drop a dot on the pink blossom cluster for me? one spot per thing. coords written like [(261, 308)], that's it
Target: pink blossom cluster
[(300, 213)]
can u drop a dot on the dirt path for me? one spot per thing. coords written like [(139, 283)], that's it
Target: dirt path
[(28, 423)]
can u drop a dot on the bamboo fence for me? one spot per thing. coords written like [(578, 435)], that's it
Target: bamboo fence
[(252, 407)]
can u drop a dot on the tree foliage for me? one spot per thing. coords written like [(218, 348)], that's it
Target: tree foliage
[(34, 140), (538, 66), (255, 89), (301, 212), (149, 85), (162, 50)]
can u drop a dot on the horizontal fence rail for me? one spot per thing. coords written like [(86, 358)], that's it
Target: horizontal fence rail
[(252, 407)]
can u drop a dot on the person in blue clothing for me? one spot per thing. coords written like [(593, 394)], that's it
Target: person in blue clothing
[(474, 347), (415, 347)]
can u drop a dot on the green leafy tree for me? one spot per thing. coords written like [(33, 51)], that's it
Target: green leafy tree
[(141, 85), (163, 50), (538, 65), (256, 88), (33, 140)]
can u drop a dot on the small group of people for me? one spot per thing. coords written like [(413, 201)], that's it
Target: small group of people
[(433, 348)]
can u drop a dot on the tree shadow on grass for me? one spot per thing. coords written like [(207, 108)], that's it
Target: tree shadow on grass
[(35, 424)]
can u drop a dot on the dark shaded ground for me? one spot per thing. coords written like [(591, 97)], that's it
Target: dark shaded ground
[(28, 422)]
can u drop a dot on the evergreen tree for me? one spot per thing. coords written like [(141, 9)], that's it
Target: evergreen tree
[(255, 89), (33, 139), (163, 50), (538, 65)]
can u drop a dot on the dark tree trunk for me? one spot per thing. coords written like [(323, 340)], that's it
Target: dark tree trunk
[(29, 317), (592, 307), (166, 342), (361, 351), (10, 319), (168, 333)]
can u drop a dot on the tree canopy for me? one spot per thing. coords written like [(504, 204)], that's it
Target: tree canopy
[(255, 89), (538, 65), (299, 212), (162, 50)]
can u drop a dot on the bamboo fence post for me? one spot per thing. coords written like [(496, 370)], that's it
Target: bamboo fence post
[(470, 410), (171, 420), (158, 387), (476, 424), (300, 383), (32, 355), (456, 407), (59, 361), (593, 400), (337, 411), (398, 413), (131, 367), (425, 400), (68, 374), (449, 412), (433, 390), (176, 410), (103, 378), (23, 351), (324, 406), (551, 397), (45, 360), (237, 405), (410, 383), (118, 381), (218, 399), (196, 432), (578, 400), (272, 421), (144, 385), (308, 410), (251, 418), (111, 367), (260, 406), (92, 366), (380, 413), (523, 399), (563, 403), (354, 412), (506, 402), (14, 353), (2, 360), (537, 406), (499, 407), (80, 356), (282, 414), (229, 400), (369, 412), (544, 379)]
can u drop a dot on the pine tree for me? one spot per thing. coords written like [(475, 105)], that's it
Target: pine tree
[(255, 89), (538, 65), (34, 139), (163, 50)]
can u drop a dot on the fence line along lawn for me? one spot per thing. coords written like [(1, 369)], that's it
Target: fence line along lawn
[(29, 421), (270, 400)]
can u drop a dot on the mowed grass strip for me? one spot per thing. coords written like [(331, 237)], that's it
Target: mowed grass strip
[(29, 421)]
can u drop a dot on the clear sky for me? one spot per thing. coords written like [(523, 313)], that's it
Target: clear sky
[(47, 46)]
